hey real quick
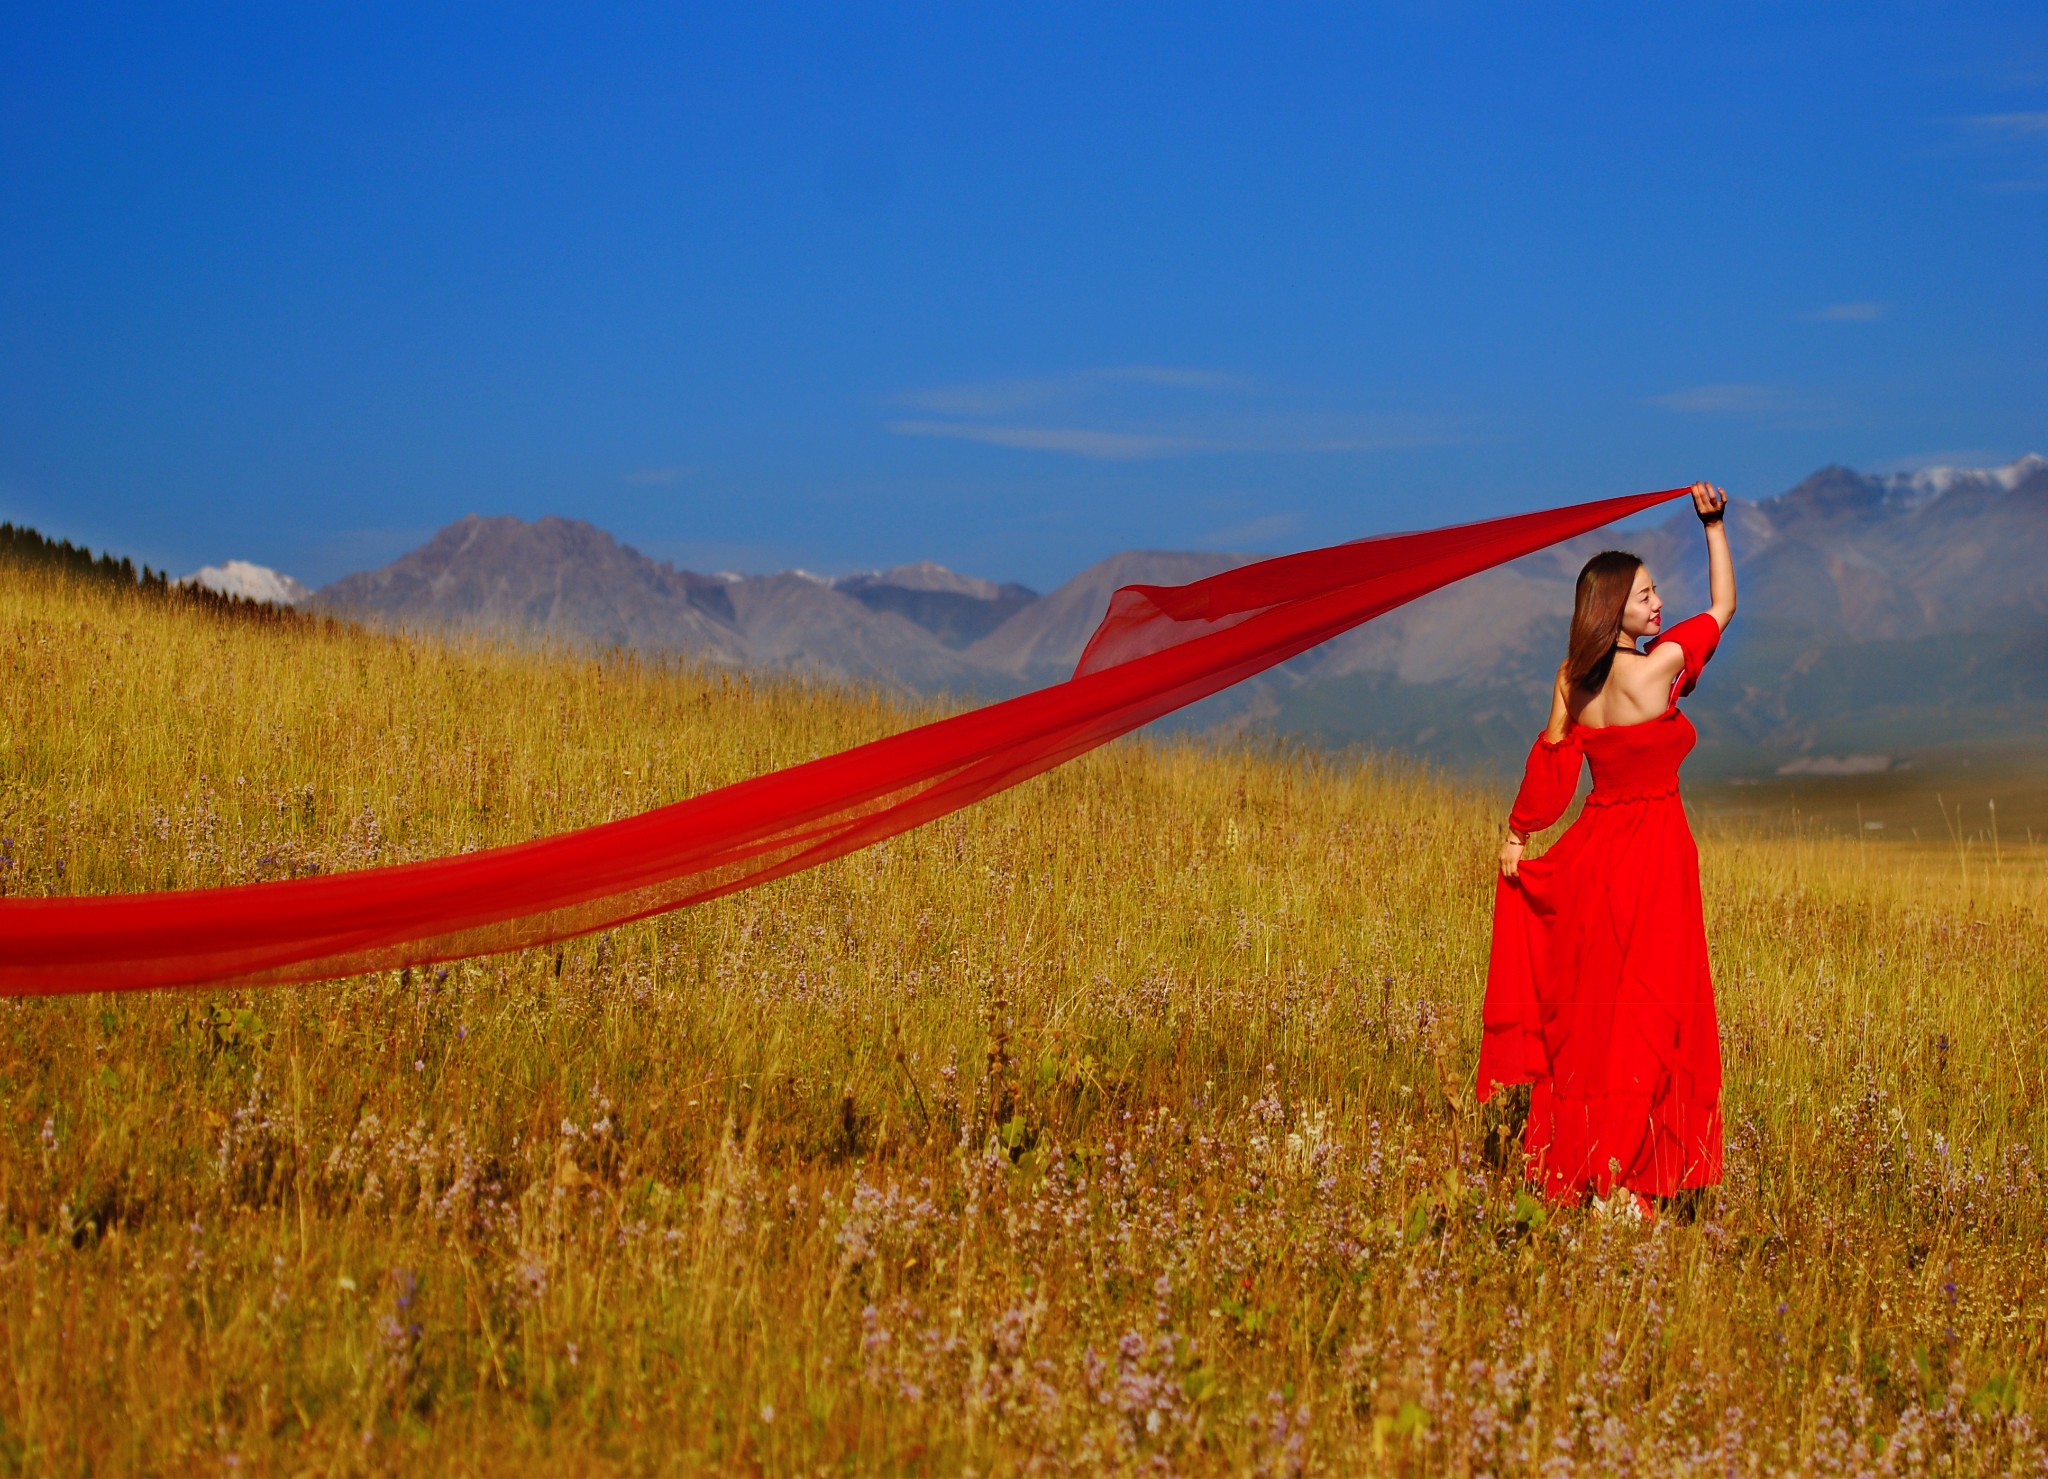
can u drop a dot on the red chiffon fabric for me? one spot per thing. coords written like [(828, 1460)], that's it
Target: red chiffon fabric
[(1598, 993), (1159, 649)]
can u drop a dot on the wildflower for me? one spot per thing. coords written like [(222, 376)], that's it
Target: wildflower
[(400, 1338)]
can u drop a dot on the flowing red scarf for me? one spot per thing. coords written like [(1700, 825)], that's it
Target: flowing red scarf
[(1158, 649)]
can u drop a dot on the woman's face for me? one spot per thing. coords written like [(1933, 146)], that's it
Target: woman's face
[(1643, 616)]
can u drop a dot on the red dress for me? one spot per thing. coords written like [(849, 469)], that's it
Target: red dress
[(1598, 993)]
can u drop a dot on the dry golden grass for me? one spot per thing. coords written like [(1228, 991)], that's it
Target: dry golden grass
[(1105, 1126)]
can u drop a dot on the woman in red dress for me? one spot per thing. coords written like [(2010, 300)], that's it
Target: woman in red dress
[(1598, 993)]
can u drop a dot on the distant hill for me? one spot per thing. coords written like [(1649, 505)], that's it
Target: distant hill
[(796, 622), (957, 609), (558, 577), (1877, 612), (1042, 642), (566, 578)]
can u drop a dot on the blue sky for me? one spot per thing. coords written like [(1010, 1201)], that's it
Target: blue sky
[(1007, 287)]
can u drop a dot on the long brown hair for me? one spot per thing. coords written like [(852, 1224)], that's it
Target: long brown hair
[(1596, 616)]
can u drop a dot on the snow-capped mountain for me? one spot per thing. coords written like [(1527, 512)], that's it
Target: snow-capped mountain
[(251, 582), (1928, 483)]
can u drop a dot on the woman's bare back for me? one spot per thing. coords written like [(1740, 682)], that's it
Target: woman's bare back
[(1638, 688)]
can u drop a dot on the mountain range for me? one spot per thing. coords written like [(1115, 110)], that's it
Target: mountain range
[(1895, 611), (1902, 612)]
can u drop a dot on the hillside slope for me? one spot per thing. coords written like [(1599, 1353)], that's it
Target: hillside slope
[(1106, 1099)]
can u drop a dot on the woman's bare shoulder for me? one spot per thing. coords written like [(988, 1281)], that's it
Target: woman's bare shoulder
[(1635, 689), (1663, 660), (1649, 674)]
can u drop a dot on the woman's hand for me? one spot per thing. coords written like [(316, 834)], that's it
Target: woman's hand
[(1709, 502), (1511, 849)]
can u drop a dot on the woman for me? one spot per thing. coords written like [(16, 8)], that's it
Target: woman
[(1598, 995)]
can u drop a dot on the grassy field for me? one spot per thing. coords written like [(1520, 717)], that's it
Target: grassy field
[(1971, 806), (1118, 1124)]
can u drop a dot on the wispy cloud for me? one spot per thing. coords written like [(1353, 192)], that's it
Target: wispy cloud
[(1081, 441), (1126, 413), (2014, 139), (1003, 397), (1308, 435), (1774, 404), (1722, 400), (1849, 313), (655, 477), (2007, 125)]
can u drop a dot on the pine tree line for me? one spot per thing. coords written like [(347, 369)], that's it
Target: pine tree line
[(23, 548)]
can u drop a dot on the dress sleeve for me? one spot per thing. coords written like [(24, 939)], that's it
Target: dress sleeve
[(1699, 636), (1548, 783)]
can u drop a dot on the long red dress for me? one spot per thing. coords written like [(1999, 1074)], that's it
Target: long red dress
[(1598, 992)]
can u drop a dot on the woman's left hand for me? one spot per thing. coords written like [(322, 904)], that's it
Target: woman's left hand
[(1511, 850), (1709, 502)]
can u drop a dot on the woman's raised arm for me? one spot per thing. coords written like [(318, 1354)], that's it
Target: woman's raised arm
[(1711, 504)]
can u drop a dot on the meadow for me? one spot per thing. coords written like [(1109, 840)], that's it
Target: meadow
[(1119, 1124)]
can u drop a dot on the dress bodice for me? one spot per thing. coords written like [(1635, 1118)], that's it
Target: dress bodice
[(1637, 762), (1630, 762)]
